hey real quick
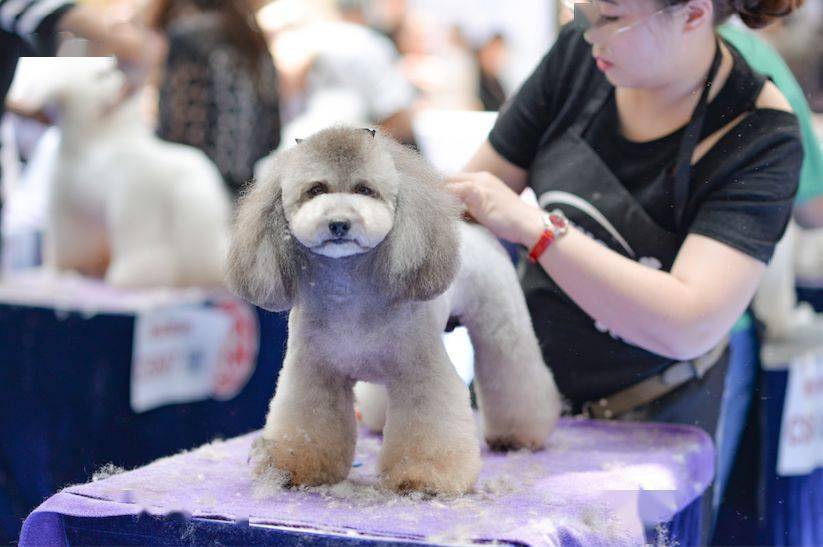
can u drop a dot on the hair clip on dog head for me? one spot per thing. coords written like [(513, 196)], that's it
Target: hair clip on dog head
[(370, 131)]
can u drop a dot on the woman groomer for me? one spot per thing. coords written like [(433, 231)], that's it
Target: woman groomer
[(676, 165)]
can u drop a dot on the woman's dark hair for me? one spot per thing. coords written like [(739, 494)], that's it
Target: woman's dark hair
[(754, 13), (238, 22)]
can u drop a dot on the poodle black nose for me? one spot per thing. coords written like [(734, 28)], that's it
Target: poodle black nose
[(339, 228)]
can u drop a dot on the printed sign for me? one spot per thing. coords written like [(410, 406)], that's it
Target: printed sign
[(192, 353), (238, 352), (801, 432)]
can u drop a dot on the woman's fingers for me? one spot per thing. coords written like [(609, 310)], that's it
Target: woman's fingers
[(465, 177), (471, 196), (458, 188), (492, 204), (466, 192)]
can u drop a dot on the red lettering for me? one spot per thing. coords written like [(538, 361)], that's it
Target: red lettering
[(800, 429), (170, 329)]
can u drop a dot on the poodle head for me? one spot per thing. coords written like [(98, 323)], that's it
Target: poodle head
[(81, 91), (340, 193)]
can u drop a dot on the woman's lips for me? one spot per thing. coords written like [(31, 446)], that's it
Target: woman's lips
[(602, 64)]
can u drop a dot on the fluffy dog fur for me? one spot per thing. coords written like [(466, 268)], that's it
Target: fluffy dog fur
[(369, 303), (123, 203)]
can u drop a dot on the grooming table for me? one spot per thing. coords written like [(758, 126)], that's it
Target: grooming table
[(69, 400), (598, 483)]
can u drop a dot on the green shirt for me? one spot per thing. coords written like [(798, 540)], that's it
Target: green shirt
[(766, 60)]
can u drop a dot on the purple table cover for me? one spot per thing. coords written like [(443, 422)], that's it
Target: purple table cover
[(597, 483)]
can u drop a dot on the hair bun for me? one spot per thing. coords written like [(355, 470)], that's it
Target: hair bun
[(759, 13)]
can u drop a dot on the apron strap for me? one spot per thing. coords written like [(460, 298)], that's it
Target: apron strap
[(682, 169), (595, 102), (593, 106)]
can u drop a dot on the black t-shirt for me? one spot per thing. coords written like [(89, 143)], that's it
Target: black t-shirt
[(741, 190)]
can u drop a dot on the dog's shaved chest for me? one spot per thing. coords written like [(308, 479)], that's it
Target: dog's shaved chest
[(358, 340)]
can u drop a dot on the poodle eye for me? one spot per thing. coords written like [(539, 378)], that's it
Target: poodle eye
[(364, 190), (316, 190)]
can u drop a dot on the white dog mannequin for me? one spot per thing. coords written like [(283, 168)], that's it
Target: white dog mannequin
[(123, 203), (358, 237), (796, 256)]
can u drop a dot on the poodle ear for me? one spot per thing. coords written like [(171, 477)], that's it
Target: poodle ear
[(263, 257), (419, 258)]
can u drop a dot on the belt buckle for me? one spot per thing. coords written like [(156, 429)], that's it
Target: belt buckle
[(588, 409), (679, 373)]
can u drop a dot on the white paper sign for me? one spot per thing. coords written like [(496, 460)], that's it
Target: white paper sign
[(801, 434), (192, 353)]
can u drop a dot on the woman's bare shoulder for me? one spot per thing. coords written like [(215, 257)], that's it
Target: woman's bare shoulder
[(771, 97)]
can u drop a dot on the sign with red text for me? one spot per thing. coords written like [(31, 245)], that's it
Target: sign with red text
[(238, 351), (801, 433), (192, 353)]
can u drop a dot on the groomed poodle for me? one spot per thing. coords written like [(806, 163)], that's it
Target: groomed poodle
[(122, 203), (358, 237)]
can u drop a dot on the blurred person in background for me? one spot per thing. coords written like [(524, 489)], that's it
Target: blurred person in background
[(764, 58), (354, 11), (219, 90), (386, 16), (490, 59), (439, 62), (799, 39), (336, 69), (31, 28)]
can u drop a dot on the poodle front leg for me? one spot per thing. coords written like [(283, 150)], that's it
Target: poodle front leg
[(154, 266), (141, 253), (73, 243), (310, 430), (429, 440)]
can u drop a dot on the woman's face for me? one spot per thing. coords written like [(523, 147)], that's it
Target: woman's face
[(636, 43)]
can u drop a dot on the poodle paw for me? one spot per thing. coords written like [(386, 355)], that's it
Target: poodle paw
[(296, 463), (526, 422), (451, 474), (511, 442), (530, 432)]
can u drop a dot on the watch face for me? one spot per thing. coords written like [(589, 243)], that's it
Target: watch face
[(557, 221)]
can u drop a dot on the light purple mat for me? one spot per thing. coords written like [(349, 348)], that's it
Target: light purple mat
[(597, 483)]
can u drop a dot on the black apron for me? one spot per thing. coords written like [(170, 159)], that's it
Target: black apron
[(588, 361)]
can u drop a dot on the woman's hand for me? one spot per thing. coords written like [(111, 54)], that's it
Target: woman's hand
[(497, 207)]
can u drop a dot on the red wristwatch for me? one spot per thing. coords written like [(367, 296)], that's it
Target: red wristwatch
[(555, 225)]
